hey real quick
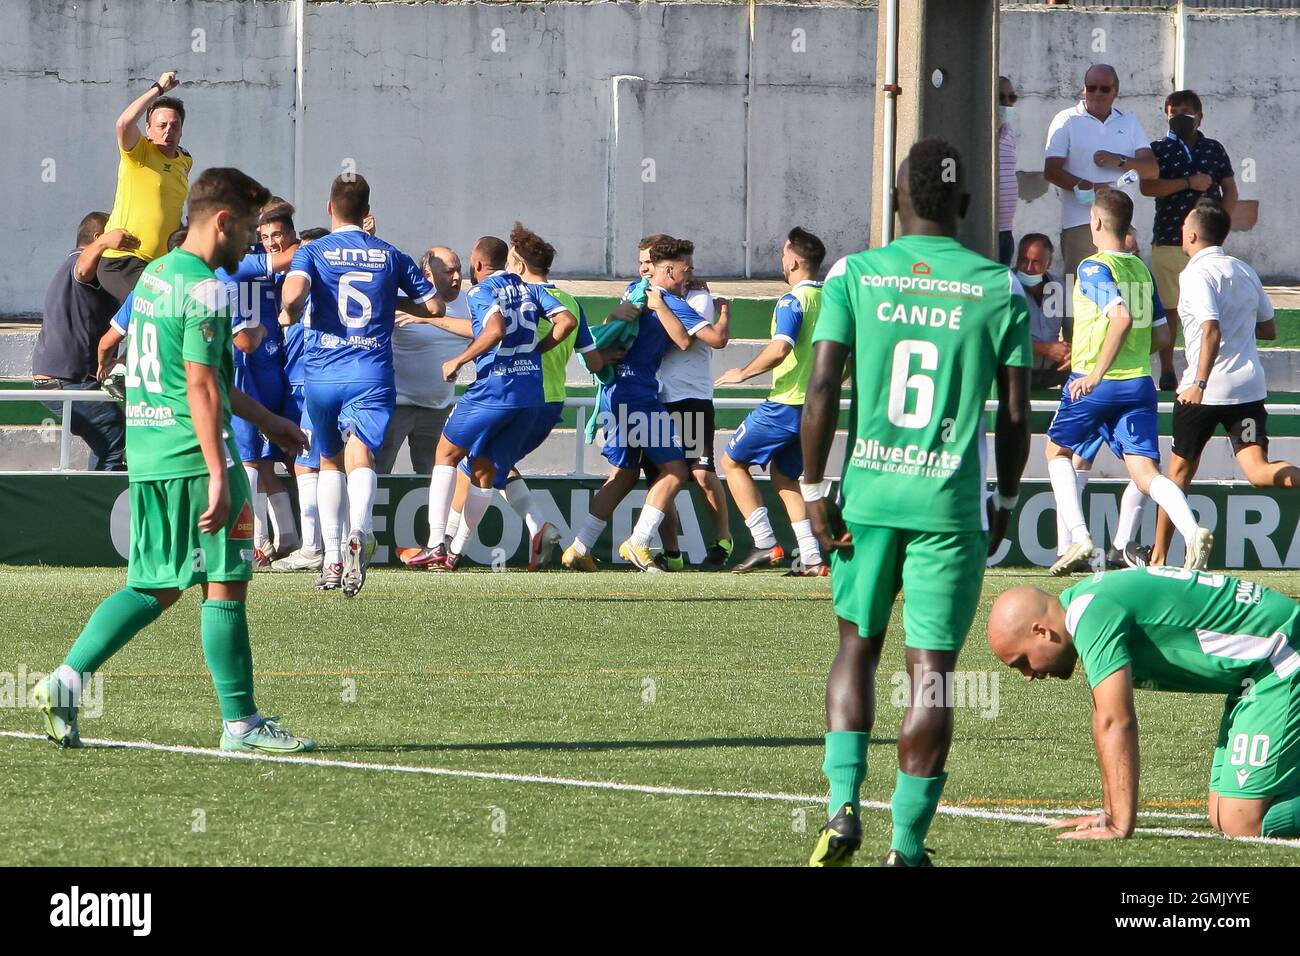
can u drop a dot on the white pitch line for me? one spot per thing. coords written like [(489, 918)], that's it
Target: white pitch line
[(1039, 818)]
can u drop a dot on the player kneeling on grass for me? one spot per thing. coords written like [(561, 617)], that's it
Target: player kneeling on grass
[(1182, 631), (191, 519), (770, 433), (1224, 309)]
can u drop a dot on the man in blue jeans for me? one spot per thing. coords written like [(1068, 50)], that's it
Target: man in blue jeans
[(77, 313)]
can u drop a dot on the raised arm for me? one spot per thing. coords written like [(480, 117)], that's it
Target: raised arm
[(127, 127)]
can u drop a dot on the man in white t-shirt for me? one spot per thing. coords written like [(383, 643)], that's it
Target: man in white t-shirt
[(1224, 309), (686, 389), (1092, 144), (424, 398)]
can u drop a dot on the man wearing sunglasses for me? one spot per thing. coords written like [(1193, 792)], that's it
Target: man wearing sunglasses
[(1092, 144)]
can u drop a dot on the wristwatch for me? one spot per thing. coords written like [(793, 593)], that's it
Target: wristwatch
[(1202, 384)]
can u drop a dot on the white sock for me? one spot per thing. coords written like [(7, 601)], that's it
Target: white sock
[(332, 493), (241, 727), (520, 497), (362, 483), (586, 537), (1081, 476), (476, 506), (70, 680), (761, 529), (646, 526), (453, 523), (1130, 515), (810, 552), (309, 511), (282, 518), (1065, 488), (442, 486), (261, 531), (1170, 497)]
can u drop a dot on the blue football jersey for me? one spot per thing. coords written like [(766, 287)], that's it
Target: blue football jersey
[(511, 376), (255, 299), (636, 378), (354, 280)]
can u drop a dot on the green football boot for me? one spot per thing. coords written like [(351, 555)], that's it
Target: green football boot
[(266, 738)]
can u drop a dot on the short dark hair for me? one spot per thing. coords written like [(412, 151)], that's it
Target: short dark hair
[(935, 178), (277, 210), (651, 239), (91, 223), (492, 249), (224, 187), (350, 197), (1117, 209), (532, 248), (1183, 98), (165, 103), (671, 249), (1032, 237), (807, 247), (1212, 221), (177, 237), (312, 233)]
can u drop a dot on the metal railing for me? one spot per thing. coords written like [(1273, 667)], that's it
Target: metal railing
[(579, 404)]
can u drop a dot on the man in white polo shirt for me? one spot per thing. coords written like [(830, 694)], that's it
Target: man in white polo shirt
[(1223, 309), (1092, 144), (424, 398)]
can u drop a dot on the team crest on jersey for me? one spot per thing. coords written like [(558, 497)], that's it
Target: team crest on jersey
[(920, 269), (208, 331), (243, 530)]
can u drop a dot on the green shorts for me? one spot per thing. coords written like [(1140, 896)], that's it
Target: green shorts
[(940, 573), (167, 548), (1258, 751)]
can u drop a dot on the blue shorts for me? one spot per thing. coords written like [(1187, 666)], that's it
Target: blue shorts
[(770, 433), (296, 410), (1122, 413), (268, 385), (492, 432), (337, 409), (634, 429)]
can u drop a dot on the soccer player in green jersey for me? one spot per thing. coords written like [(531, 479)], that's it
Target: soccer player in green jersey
[(191, 518), (1184, 631), (930, 325)]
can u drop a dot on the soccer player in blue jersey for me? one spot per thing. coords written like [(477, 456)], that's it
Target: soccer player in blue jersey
[(497, 416), (634, 420), (352, 279), (260, 371)]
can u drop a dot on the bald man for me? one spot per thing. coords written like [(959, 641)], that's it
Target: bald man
[(1183, 631), (424, 398)]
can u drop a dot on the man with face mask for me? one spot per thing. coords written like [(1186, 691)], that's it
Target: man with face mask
[(1166, 629), (1091, 144), (1008, 186), (1191, 165)]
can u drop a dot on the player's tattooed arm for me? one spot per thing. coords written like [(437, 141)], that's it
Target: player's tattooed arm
[(562, 325), (1115, 734), (281, 431), (821, 411), (205, 411), (494, 330)]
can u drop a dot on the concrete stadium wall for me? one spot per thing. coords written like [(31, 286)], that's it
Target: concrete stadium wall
[(467, 116)]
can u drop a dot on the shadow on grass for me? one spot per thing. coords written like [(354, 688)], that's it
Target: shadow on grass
[(590, 745)]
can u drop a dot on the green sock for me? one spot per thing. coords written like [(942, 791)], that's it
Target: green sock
[(230, 658), (845, 767), (118, 618), (1283, 818), (915, 800)]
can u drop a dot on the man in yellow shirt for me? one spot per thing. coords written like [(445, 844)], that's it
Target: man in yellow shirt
[(153, 181)]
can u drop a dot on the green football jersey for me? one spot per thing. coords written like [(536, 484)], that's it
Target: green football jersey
[(929, 322), (1188, 631), (181, 313), (556, 361)]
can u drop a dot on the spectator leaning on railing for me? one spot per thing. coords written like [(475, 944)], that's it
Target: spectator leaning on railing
[(77, 313), (153, 180), (1191, 165)]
